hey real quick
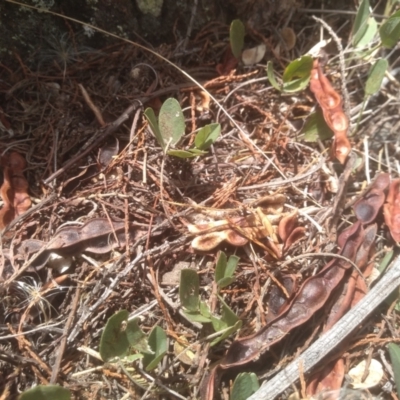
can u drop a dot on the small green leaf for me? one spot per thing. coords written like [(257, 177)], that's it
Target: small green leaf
[(228, 319), (171, 121), (48, 392), (218, 324), (375, 77), (236, 37), (114, 341), (159, 345), (369, 34), (136, 337), (207, 136), (132, 358), (227, 333), (231, 266), (152, 119), (224, 282), (224, 269), (246, 383), (221, 266), (197, 152), (390, 30), (386, 261), (227, 314), (195, 316), (394, 352), (360, 23), (189, 289), (204, 310), (182, 153), (297, 74), (316, 128), (271, 76)]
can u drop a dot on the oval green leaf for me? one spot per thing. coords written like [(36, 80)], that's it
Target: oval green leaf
[(360, 23), (159, 345), (316, 128), (297, 74), (236, 37), (181, 153), (204, 310), (394, 352), (227, 333), (375, 77), (189, 289), (152, 119), (224, 282), (386, 261), (227, 315), (136, 337), (220, 266), (231, 266), (114, 341), (390, 30), (197, 152), (207, 136), (49, 392), (171, 121), (369, 34), (246, 383), (271, 76), (197, 317)]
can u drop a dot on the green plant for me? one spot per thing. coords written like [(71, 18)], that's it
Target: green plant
[(236, 37), (122, 338), (198, 311), (394, 352), (170, 127), (365, 26), (46, 392), (295, 77), (244, 386)]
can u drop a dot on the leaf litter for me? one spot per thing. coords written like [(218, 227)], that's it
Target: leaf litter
[(125, 214)]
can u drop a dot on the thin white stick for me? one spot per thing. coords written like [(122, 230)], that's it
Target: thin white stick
[(366, 152), (331, 339)]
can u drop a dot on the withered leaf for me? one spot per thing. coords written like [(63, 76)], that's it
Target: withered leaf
[(352, 290), (331, 105), (238, 231), (391, 210), (311, 297), (368, 206), (96, 236), (14, 190)]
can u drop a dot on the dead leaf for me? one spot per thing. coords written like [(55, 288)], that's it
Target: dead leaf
[(254, 55), (14, 190), (331, 105), (311, 297), (331, 377), (289, 37), (238, 231), (391, 210), (96, 236), (228, 64), (367, 207), (375, 375)]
